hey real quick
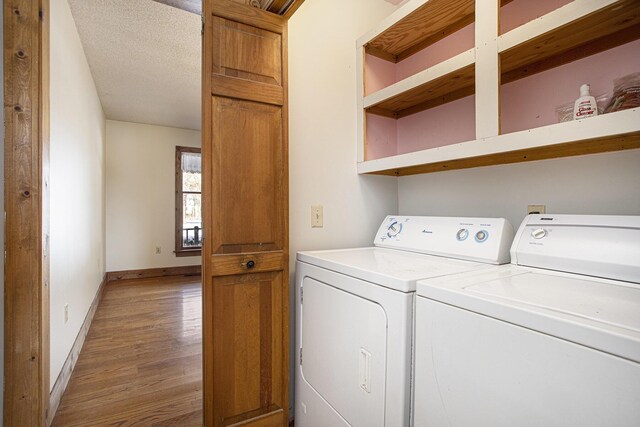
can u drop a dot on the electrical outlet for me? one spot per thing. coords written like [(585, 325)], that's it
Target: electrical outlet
[(66, 313), (317, 217), (536, 209), (158, 250)]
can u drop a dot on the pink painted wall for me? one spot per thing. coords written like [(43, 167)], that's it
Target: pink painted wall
[(458, 42), (443, 125), (378, 74), (531, 102), (382, 137), (519, 12)]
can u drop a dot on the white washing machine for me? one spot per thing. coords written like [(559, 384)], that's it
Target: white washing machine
[(551, 340), (354, 319)]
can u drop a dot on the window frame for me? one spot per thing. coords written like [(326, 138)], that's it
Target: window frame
[(180, 251)]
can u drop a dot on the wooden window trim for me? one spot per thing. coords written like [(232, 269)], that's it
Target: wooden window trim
[(179, 250)]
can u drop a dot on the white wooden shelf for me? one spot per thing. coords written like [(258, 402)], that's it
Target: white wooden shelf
[(607, 132), (572, 32), (559, 18), (416, 25), (426, 89)]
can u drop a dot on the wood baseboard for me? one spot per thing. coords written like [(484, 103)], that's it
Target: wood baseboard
[(190, 270), (67, 368)]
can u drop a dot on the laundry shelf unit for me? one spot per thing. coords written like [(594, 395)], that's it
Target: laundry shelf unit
[(577, 30)]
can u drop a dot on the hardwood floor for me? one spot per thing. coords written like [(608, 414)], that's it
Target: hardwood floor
[(141, 363)]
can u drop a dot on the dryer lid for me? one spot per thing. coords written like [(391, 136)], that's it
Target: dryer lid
[(399, 270)]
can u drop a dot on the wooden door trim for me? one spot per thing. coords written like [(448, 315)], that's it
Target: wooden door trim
[(293, 8), (246, 14), (207, 191), (179, 251), (232, 87), (26, 101)]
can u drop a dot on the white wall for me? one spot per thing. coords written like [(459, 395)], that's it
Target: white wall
[(595, 184), (141, 195), (322, 126), (77, 185)]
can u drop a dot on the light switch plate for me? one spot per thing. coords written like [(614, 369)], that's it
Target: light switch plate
[(317, 218)]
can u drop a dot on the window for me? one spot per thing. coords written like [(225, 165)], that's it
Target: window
[(188, 201)]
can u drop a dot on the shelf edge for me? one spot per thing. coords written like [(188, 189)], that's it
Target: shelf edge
[(553, 20), (609, 125), (437, 71), (399, 14)]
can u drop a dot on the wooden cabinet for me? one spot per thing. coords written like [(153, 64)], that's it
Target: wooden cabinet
[(447, 84), (245, 251)]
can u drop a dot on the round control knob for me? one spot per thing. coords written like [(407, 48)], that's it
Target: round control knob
[(482, 235), (462, 234), (394, 229), (538, 233)]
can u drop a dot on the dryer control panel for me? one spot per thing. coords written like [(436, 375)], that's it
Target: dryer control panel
[(474, 239)]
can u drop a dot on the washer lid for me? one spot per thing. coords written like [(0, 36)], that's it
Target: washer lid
[(599, 313), (399, 270)]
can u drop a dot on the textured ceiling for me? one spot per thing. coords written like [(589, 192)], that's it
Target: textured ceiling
[(145, 60)]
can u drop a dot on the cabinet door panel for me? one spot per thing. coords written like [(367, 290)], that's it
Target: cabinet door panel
[(246, 61), (248, 340), (246, 52), (248, 139)]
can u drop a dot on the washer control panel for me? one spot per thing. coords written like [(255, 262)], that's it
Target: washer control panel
[(480, 239), (595, 245)]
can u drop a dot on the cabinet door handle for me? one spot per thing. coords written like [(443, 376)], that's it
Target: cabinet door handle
[(248, 264)]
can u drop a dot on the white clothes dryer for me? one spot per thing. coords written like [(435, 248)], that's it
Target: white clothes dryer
[(551, 340), (354, 319)]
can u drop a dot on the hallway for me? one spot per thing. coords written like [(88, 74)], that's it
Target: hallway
[(141, 362)]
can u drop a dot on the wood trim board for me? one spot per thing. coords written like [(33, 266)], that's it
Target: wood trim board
[(190, 270), (179, 251), (285, 8), (26, 101), (293, 8), (67, 368), (621, 125), (576, 148)]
